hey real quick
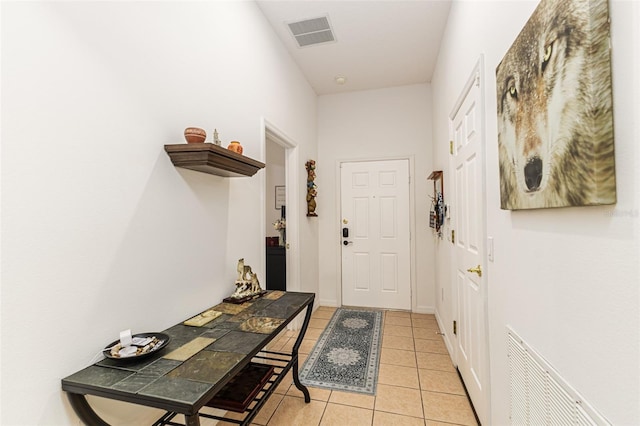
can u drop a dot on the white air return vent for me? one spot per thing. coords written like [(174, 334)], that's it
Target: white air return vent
[(312, 31), (539, 395)]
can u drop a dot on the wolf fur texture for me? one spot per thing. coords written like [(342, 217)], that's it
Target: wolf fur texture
[(555, 114)]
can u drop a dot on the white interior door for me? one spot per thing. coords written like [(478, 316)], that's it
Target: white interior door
[(469, 252), (375, 213)]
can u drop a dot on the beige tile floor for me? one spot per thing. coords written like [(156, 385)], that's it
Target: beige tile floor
[(417, 383)]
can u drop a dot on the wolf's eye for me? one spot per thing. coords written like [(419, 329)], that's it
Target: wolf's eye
[(512, 91), (547, 55)]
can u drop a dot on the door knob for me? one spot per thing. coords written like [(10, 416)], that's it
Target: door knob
[(346, 243), (477, 270)]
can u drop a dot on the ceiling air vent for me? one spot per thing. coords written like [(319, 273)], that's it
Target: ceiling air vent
[(312, 31)]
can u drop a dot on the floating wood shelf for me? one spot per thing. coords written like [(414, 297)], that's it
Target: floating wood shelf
[(212, 159)]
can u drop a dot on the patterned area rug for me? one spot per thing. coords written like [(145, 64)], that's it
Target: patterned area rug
[(347, 354)]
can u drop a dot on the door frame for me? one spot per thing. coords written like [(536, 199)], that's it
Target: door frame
[(412, 222), (292, 251), (477, 73)]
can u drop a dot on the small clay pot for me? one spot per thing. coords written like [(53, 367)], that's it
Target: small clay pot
[(235, 147), (195, 135)]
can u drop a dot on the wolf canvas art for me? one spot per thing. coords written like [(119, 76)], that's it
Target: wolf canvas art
[(555, 117)]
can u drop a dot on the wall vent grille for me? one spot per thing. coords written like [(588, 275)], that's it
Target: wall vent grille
[(312, 31), (538, 394)]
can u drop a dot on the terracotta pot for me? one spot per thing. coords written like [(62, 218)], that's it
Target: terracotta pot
[(195, 135), (235, 147)]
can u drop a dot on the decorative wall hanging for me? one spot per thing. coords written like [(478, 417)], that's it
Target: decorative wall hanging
[(438, 208), (312, 191), (555, 114)]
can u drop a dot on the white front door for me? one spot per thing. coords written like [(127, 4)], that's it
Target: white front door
[(469, 253), (375, 227)]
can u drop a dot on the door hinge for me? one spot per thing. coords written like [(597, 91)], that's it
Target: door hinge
[(455, 327), (451, 147), (453, 236)]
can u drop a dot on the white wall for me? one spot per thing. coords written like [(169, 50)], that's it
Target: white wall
[(371, 125), (565, 279), (100, 232)]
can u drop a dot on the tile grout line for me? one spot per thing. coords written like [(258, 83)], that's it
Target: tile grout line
[(324, 410), (415, 353)]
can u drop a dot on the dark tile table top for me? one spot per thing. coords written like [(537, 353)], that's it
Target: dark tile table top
[(198, 360)]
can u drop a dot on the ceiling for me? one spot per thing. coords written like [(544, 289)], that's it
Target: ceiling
[(377, 43)]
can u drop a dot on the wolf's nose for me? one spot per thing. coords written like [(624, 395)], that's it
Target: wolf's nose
[(533, 173)]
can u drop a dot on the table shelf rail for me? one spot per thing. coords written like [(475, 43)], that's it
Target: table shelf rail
[(282, 362)]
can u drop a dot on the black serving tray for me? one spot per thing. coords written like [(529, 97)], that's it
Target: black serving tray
[(160, 336)]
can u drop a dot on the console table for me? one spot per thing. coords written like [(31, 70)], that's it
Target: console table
[(198, 362)]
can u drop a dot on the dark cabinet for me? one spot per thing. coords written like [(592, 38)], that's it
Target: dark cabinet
[(276, 268)]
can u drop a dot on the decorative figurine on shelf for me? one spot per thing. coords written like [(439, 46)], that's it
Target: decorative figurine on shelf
[(235, 146), (216, 139), (195, 135), (312, 191), (247, 285)]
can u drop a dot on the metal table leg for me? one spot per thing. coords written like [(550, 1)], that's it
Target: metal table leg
[(192, 420), (294, 354), (84, 411)]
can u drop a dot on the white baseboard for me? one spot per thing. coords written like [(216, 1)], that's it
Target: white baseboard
[(447, 341), (328, 302), (425, 310), (419, 309)]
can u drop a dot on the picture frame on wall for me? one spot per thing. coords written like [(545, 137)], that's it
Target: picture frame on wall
[(280, 196), (555, 109)]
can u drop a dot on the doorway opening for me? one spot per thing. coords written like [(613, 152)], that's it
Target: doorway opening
[(281, 205), (275, 216)]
